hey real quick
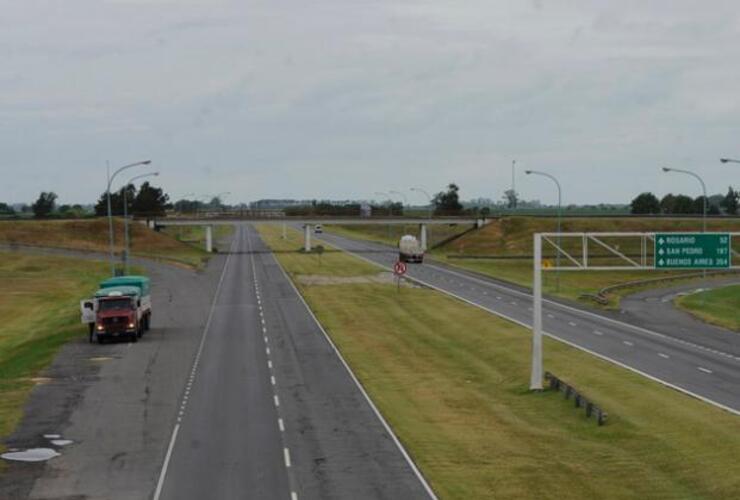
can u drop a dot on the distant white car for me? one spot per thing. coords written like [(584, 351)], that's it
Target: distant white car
[(318, 229)]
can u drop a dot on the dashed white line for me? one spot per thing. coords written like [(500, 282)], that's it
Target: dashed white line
[(705, 370), (293, 495), (272, 379), (597, 332), (550, 316), (277, 401), (269, 364), (664, 356), (627, 342), (286, 454), (267, 350), (572, 323), (281, 425)]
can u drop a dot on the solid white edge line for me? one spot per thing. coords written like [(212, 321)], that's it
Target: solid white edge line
[(576, 310), (206, 329), (566, 342), (354, 378)]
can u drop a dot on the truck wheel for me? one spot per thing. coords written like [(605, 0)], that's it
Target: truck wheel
[(147, 321), (134, 338), (99, 338), (92, 332)]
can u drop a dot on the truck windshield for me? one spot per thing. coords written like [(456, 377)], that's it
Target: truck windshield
[(114, 304)]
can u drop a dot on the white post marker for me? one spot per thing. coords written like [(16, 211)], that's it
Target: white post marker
[(209, 239), (307, 238), (535, 382), (423, 237)]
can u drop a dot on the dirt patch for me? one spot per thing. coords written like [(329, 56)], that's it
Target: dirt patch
[(383, 278)]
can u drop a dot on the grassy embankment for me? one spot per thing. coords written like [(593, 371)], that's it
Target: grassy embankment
[(39, 312), (196, 235), (452, 381), (719, 306), (512, 237), (92, 235)]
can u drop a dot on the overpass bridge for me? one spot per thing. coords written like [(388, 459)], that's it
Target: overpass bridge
[(309, 222)]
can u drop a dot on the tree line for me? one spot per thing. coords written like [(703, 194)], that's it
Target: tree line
[(648, 203)]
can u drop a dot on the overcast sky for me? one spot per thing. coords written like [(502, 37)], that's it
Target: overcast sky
[(342, 98)]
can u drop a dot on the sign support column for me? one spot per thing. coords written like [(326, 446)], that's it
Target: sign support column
[(535, 382)]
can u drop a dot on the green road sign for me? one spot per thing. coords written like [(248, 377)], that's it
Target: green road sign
[(692, 250)]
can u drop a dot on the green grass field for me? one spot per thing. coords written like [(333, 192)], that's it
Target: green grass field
[(719, 306), (39, 312), (452, 381), (512, 237), (92, 235)]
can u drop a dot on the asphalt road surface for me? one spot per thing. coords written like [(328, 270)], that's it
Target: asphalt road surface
[(269, 411), (235, 393), (688, 363)]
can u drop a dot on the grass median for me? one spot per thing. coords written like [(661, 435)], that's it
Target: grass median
[(452, 381), (719, 306), (39, 312)]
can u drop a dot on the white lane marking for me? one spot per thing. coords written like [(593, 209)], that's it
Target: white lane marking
[(498, 298), (572, 323), (597, 332), (705, 370), (293, 495), (664, 356), (206, 329), (359, 386), (281, 425), (276, 400), (267, 350), (627, 342), (549, 316), (269, 364), (272, 379), (286, 455), (513, 303)]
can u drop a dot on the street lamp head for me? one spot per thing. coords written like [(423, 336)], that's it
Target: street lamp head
[(527, 172), (146, 162), (666, 169), (724, 160)]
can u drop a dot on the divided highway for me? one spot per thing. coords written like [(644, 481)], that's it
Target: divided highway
[(269, 410), (699, 368)]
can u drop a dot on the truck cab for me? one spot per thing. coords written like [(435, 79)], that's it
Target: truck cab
[(118, 313)]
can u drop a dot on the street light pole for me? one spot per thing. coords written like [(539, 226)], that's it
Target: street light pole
[(125, 217), (110, 215), (513, 183), (703, 188), (560, 210), (729, 160)]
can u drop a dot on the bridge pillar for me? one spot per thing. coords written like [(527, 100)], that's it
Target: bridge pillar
[(423, 237), (209, 239), (307, 237), (285, 234)]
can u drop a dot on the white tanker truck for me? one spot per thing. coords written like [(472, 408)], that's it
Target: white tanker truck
[(409, 249)]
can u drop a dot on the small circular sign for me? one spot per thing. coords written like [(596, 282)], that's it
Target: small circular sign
[(399, 268)]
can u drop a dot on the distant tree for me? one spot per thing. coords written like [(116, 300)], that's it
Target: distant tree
[(116, 201), (645, 203), (730, 201), (6, 209), (511, 198), (667, 203), (684, 205), (448, 203), (151, 201), (713, 210), (44, 205)]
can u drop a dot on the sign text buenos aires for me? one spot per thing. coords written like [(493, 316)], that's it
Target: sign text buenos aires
[(692, 250)]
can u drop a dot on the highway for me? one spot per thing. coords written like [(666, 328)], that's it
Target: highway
[(268, 409), (687, 364)]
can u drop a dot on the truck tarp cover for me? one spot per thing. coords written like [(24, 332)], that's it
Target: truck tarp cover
[(141, 282), (118, 291)]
